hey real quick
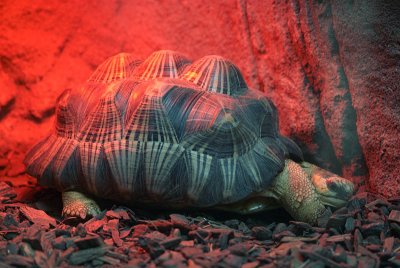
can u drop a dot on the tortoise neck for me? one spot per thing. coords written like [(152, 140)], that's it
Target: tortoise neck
[(296, 193)]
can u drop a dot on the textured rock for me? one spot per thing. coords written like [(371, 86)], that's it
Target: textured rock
[(369, 49), (331, 67), (7, 98)]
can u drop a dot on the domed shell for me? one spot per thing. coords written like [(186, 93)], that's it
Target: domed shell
[(82, 101), (115, 68), (216, 74), (161, 64), (166, 138)]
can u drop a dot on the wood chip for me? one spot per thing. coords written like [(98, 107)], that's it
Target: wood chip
[(180, 221), (7, 192), (94, 225), (89, 242), (152, 247), (318, 257), (114, 227), (349, 225), (394, 216), (171, 243), (374, 228), (388, 244), (284, 248), (26, 250), (118, 214), (358, 239), (337, 221), (339, 238), (261, 233), (41, 259), (38, 216), (109, 260), (86, 255), (300, 238), (16, 260), (116, 255)]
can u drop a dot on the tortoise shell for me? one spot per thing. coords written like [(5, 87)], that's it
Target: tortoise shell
[(165, 131)]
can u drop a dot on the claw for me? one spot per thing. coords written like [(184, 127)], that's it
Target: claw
[(82, 214)]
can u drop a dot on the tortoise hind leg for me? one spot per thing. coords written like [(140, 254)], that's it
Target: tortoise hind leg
[(76, 204)]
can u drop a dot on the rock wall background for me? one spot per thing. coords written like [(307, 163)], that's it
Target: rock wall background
[(331, 67)]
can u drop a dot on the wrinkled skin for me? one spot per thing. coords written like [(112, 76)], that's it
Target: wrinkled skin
[(306, 190), (303, 189)]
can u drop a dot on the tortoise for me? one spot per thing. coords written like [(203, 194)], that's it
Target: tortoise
[(174, 133)]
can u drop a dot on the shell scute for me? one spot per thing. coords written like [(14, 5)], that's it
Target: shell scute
[(125, 160), (216, 74), (222, 132), (65, 121), (95, 170), (104, 124), (115, 68), (66, 168), (204, 189), (179, 103), (159, 159), (149, 121), (161, 64), (42, 156)]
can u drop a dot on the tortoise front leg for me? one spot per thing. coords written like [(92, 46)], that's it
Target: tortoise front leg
[(76, 204)]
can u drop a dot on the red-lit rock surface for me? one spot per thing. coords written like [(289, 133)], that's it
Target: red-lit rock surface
[(331, 68)]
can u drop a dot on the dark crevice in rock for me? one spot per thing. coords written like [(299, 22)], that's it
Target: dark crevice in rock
[(324, 155), (12, 70), (352, 153), (308, 27), (343, 82), (61, 48), (334, 46), (6, 109), (63, 45), (40, 117)]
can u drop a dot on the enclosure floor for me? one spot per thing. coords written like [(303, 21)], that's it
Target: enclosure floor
[(363, 234)]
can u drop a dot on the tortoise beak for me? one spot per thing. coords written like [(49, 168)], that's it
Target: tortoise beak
[(334, 190)]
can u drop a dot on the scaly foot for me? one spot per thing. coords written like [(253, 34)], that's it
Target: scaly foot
[(76, 204)]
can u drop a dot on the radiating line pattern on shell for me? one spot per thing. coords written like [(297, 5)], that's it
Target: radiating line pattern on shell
[(163, 129)]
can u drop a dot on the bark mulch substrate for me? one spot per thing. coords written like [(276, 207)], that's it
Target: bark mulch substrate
[(365, 233)]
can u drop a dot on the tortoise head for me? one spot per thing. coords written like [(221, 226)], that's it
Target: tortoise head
[(333, 190)]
